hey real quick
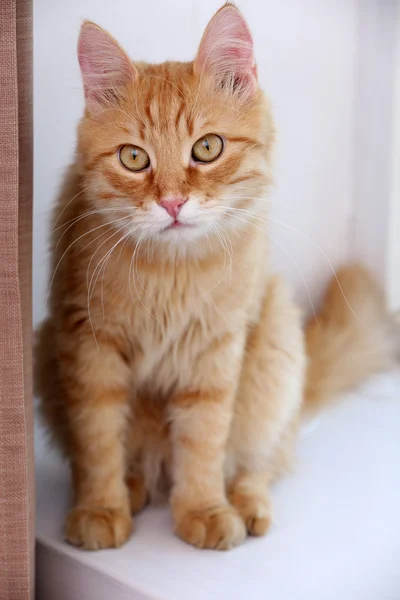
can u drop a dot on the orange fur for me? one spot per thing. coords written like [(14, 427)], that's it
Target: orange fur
[(351, 339), (171, 357)]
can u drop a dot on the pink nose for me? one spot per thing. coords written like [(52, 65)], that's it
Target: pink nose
[(173, 205)]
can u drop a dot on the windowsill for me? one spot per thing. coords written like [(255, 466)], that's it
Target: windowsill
[(336, 531)]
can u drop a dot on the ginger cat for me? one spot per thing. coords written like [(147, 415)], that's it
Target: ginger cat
[(172, 357)]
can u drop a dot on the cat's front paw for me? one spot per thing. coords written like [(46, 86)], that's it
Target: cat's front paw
[(219, 528), (95, 528)]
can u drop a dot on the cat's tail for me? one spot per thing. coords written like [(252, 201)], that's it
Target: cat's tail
[(352, 338)]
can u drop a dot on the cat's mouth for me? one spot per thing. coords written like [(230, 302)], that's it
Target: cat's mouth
[(176, 224)]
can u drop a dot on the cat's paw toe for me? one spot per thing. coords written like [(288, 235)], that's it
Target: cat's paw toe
[(219, 528), (254, 510), (95, 528)]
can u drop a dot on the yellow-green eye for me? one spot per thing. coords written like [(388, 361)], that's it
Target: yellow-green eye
[(133, 158), (207, 148)]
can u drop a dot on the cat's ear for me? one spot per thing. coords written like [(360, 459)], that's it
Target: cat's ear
[(226, 51), (105, 66)]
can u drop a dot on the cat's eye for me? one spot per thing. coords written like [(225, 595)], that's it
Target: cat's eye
[(133, 158), (208, 148)]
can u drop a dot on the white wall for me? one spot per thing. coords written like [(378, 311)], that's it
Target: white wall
[(306, 52), (393, 267), (376, 231)]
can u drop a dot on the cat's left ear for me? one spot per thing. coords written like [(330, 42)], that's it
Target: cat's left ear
[(226, 51), (105, 66)]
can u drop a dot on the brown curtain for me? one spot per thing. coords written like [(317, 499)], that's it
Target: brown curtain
[(16, 408)]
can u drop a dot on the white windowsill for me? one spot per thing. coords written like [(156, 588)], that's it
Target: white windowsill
[(336, 533)]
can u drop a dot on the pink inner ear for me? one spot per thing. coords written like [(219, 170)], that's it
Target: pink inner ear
[(104, 65), (227, 47)]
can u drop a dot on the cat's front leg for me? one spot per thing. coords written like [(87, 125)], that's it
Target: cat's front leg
[(201, 415), (95, 380)]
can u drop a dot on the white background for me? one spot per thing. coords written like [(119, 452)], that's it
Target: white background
[(307, 59)]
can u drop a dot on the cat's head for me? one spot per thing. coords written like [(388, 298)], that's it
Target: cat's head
[(173, 152)]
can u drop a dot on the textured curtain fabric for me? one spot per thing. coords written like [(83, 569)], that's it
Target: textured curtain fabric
[(16, 408)]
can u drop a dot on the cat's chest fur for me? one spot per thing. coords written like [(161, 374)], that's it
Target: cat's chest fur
[(171, 315)]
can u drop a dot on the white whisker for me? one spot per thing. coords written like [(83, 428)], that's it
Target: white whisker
[(229, 265), (111, 223), (89, 284), (288, 255), (266, 218), (132, 270), (72, 199), (99, 211)]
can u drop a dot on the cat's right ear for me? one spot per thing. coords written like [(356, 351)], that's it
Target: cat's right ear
[(105, 66)]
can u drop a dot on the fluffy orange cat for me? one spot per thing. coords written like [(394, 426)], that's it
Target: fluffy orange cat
[(172, 357)]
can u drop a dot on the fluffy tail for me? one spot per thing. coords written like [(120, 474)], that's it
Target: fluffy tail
[(352, 337)]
